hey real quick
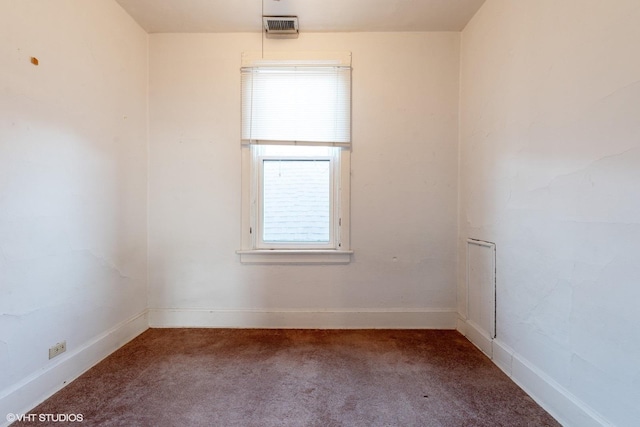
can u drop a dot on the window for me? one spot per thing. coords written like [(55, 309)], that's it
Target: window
[(295, 196), (296, 155)]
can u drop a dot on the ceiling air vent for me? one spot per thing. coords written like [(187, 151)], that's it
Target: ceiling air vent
[(280, 27)]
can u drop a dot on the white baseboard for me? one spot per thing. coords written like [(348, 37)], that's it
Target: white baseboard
[(346, 319), (480, 338), (33, 390), (555, 399), (461, 326)]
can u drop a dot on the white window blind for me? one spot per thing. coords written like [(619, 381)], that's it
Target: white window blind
[(299, 104)]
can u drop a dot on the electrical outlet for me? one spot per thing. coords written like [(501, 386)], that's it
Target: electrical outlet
[(57, 349)]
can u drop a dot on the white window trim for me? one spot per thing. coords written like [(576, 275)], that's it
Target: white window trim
[(284, 256), (251, 253)]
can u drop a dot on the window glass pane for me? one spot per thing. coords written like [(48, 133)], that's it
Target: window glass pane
[(296, 201)]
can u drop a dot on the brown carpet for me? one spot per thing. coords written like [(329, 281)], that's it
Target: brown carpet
[(239, 377)]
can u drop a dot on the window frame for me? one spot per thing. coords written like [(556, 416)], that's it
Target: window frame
[(258, 199), (338, 253), (338, 65)]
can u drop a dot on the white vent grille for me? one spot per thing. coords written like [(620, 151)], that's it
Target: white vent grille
[(280, 26)]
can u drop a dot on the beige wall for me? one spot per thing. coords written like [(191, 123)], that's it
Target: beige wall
[(550, 171), (403, 187), (72, 185)]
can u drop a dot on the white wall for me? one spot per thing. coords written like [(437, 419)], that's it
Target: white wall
[(550, 171), (404, 188), (72, 186)]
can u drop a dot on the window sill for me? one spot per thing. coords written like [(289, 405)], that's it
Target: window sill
[(294, 256)]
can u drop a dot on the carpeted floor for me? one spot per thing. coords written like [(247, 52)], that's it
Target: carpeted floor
[(239, 377)]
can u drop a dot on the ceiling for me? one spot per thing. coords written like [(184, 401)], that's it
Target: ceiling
[(213, 16)]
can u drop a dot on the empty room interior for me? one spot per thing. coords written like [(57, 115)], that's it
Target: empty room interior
[(474, 183)]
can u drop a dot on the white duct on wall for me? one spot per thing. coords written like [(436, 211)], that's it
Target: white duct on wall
[(481, 293)]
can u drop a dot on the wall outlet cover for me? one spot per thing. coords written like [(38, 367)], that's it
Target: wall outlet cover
[(57, 349)]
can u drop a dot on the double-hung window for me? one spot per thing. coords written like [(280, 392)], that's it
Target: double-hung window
[(296, 143)]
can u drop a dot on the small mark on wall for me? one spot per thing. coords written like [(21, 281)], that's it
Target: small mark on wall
[(35, 61)]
